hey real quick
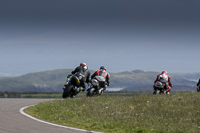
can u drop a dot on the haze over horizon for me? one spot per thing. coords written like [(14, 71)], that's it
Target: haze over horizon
[(126, 35)]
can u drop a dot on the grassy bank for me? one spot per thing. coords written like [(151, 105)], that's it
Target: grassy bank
[(176, 113)]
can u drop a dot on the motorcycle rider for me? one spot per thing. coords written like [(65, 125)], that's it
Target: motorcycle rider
[(198, 82), (198, 87), (83, 74), (102, 72), (164, 77)]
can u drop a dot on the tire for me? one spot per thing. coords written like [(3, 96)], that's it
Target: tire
[(157, 92), (91, 92), (67, 91)]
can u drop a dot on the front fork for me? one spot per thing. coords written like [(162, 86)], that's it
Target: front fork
[(67, 82)]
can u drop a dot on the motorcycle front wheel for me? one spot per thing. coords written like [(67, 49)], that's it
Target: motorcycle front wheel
[(67, 91), (91, 92), (157, 92)]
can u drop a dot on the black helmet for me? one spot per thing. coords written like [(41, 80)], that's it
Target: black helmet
[(102, 67)]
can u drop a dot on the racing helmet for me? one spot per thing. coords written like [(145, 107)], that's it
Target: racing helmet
[(102, 67), (83, 64), (164, 71)]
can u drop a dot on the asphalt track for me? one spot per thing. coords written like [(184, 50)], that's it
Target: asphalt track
[(12, 120)]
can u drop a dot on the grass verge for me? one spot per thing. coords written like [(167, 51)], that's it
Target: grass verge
[(176, 113)]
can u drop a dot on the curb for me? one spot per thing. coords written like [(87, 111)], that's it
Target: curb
[(53, 124)]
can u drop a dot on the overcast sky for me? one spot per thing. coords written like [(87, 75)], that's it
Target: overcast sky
[(122, 35)]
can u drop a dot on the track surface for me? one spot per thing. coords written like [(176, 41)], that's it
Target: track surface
[(12, 121)]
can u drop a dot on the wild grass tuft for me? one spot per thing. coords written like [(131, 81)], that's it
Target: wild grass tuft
[(178, 113)]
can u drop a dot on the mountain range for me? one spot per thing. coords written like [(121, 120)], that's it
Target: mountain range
[(54, 80)]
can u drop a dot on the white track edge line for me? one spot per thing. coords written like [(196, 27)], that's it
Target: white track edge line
[(53, 124)]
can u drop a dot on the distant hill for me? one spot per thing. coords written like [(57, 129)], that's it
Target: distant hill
[(137, 80), (45, 81)]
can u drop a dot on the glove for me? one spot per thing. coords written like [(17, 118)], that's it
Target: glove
[(69, 75)]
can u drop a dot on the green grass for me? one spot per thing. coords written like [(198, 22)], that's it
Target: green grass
[(41, 95), (175, 113)]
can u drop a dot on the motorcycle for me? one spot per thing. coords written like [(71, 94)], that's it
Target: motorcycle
[(160, 88), (71, 88), (198, 88), (97, 86)]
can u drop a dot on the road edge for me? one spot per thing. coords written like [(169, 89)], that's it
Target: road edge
[(49, 123)]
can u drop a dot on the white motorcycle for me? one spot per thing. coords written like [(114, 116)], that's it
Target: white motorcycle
[(97, 86), (160, 88)]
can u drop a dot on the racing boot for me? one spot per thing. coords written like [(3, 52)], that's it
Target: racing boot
[(101, 91), (80, 89), (72, 96), (83, 89)]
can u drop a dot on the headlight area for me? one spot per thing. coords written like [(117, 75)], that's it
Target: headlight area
[(95, 82)]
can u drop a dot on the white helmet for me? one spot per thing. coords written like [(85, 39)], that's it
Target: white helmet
[(85, 68), (83, 64)]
